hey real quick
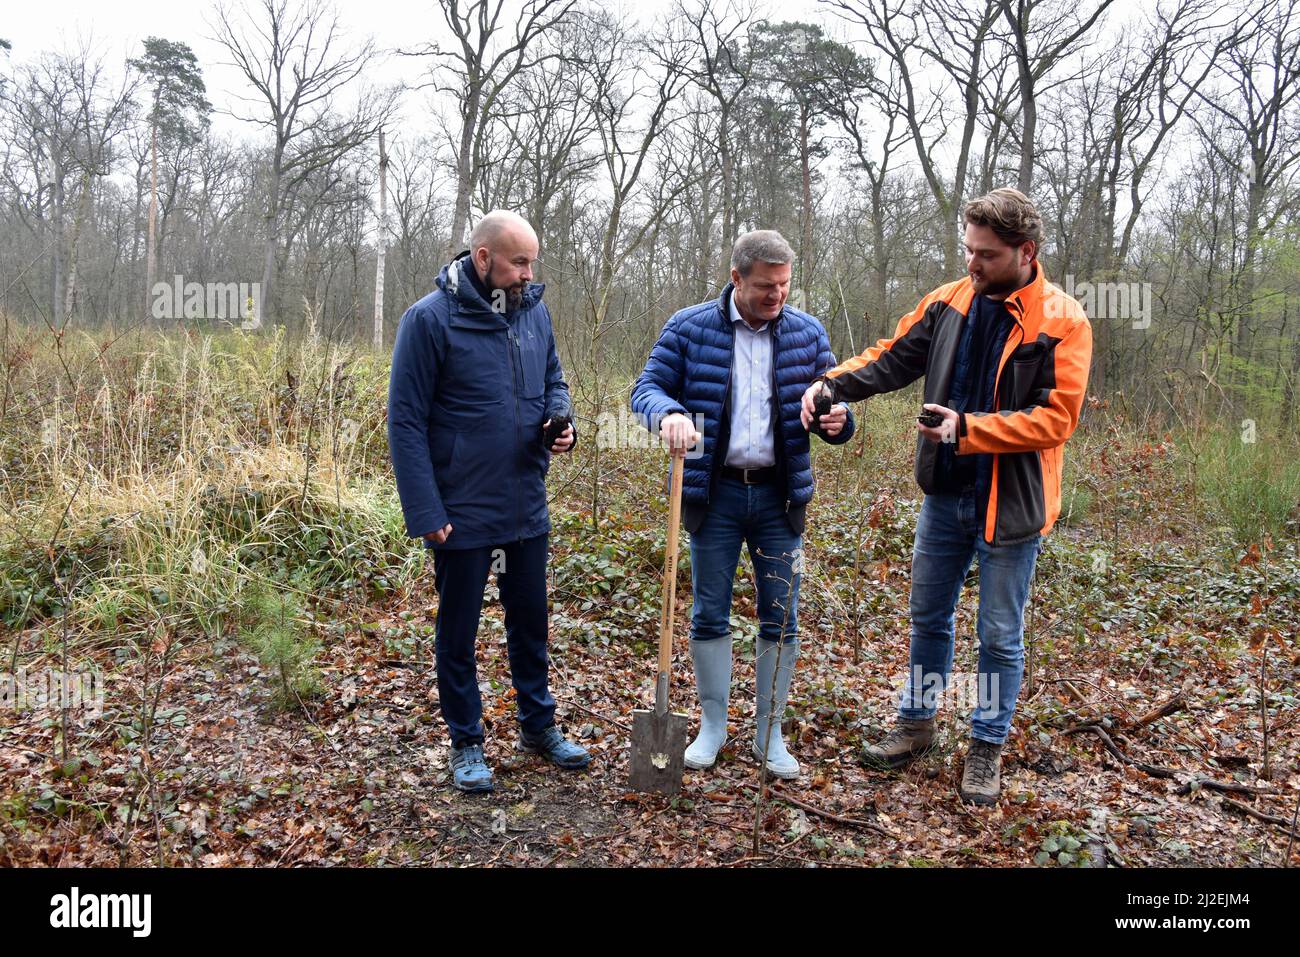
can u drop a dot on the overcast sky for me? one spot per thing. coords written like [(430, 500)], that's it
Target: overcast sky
[(118, 28)]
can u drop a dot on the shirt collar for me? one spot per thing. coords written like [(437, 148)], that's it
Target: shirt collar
[(737, 317)]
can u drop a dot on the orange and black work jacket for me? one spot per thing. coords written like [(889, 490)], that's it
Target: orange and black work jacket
[(1039, 391)]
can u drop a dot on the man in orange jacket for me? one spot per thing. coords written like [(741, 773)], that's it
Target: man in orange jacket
[(1005, 355)]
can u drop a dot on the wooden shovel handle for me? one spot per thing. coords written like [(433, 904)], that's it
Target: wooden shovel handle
[(670, 565)]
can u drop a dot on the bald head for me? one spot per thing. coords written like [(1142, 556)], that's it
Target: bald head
[(503, 247), (498, 226)]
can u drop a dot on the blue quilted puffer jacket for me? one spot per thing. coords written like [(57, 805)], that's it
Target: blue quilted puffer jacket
[(689, 371)]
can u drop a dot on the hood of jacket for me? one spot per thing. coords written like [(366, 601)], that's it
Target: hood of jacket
[(471, 309)]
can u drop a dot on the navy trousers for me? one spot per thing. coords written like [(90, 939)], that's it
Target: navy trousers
[(460, 575)]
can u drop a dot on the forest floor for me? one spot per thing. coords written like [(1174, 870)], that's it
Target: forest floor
[(1093, 774), (209, 524)]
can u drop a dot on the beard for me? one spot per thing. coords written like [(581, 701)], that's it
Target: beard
[(511, 297), (988, 287), (1001, 286)]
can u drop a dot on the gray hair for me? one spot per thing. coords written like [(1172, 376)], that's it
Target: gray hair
[(760, 245)]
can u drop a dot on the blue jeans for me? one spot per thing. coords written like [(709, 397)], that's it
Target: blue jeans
[(949, 534), (753, 515)]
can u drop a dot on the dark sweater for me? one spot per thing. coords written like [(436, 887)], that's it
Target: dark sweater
[(973, 380)]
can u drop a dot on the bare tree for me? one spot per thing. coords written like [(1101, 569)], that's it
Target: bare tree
[(381, 245), (636, 79), (1043, 34), (876, 150), (957, 38), (417, 226), (724, 69), (1152, 94), (1255, 98), (544, 130), (293, 56), (66, 112), (481, 66)]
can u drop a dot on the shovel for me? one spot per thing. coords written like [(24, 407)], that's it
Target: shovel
[(659, 736)]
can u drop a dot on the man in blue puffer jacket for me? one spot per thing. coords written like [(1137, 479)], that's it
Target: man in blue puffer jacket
[(740, 365), (475, 379)]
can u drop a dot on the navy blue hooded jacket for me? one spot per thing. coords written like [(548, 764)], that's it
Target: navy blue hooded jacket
[(689, 371), (468, 393)]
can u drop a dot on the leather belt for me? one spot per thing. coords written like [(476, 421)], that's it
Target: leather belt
[(751, 476)]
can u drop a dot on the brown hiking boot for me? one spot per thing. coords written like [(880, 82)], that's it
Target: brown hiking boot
[(981, 779), (908, 739)]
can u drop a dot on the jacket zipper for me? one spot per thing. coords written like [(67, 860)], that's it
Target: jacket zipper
[(778, 441), (998, 402), (726, 415), (513, 349)]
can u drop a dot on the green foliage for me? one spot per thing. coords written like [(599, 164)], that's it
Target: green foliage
[(1252, 486), (196, 466), (1064, 845), (272, 626), (171, 72)]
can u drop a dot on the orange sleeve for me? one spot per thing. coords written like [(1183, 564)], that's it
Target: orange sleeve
[(891, 363)]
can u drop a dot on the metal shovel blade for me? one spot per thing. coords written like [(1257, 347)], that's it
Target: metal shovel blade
[(658, 751)]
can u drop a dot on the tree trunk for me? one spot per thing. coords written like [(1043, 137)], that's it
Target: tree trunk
[(1246, 310), (74, 244), (1029, 109), (151, 252), (272, 220), (881, 254), (805, 242), (57, 273), (382, 245), (464, 173), (728, 203)]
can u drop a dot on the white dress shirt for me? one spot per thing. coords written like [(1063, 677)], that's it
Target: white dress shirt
[(751, 445)]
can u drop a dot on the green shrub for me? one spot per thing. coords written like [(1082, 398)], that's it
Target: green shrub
[(1252, 487), (272, 626)]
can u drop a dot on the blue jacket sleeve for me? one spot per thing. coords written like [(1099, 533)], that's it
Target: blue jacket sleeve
[(558, 400), (661, 381), (825, 361), (412, 384)]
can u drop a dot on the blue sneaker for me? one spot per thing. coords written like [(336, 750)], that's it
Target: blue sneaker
[(554, 747), (469, 772)]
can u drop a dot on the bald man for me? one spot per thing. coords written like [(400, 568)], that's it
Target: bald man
[(475, 383)]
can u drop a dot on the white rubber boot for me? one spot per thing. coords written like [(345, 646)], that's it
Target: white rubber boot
[(780, 762), (713, 684)]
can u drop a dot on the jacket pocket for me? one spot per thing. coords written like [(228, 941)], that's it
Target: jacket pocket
[(1030, 350), (530, 354), (1025, 372)]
